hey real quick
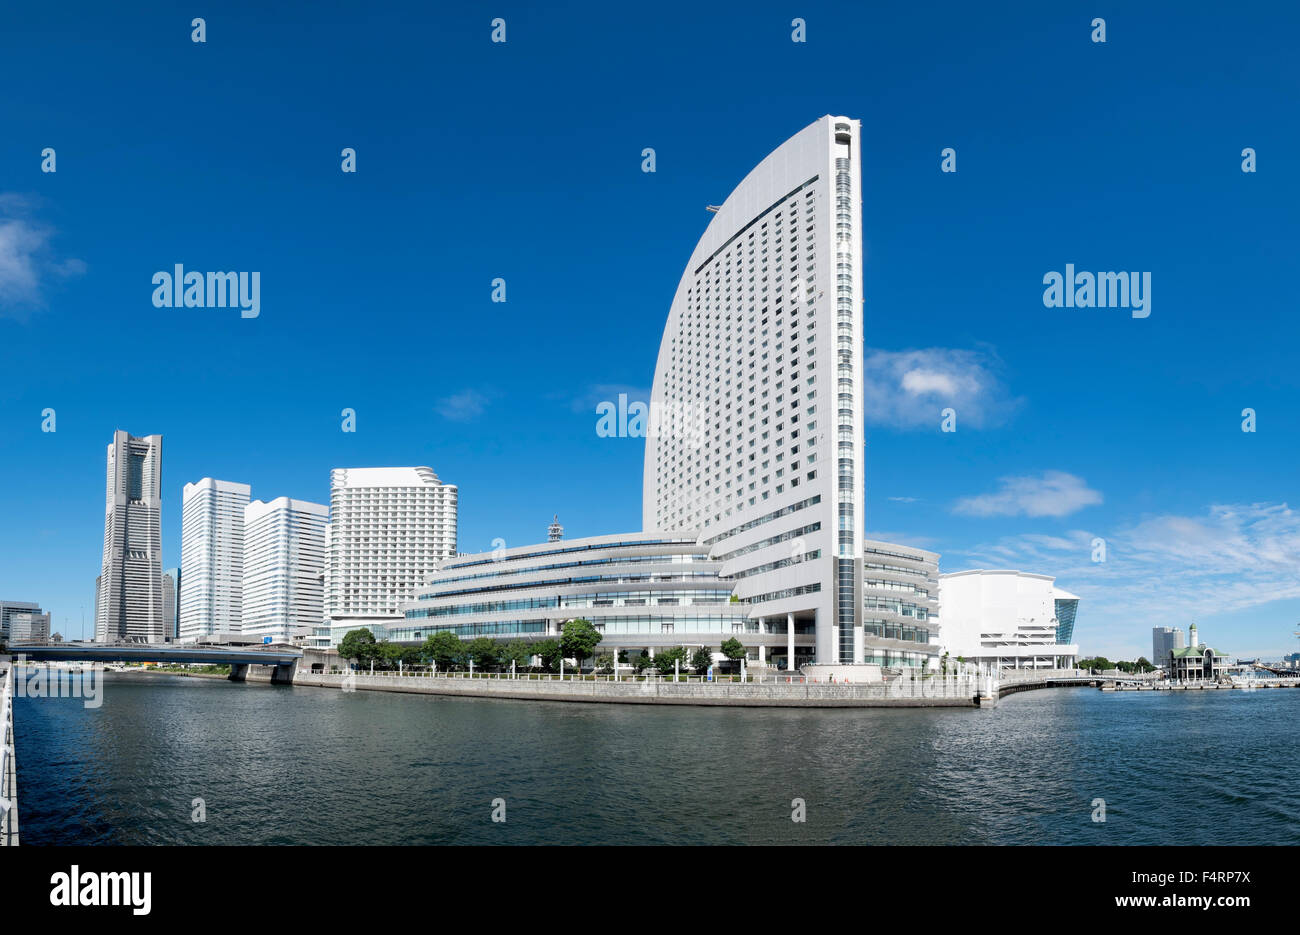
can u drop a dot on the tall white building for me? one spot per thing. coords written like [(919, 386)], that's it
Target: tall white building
[(212, 558), (284, 559), (755, 442), (389, 529), (1009, 619), (129, 596)]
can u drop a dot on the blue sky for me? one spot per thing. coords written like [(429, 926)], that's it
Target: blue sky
[(522, 160)]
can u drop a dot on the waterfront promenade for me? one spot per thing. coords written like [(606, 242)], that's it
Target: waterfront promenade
[(8, 771)]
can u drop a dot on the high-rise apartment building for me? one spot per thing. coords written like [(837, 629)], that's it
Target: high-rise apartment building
[(284, 560), (389, 529), (212, 558), (756, 426), (128, 604)]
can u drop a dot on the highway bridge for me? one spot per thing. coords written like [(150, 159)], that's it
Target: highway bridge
[(239, 659)]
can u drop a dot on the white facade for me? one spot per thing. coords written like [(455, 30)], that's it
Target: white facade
[(284, 560), (1005, 618), (129, 599), (755, 441), (389, 529), (212, 558)]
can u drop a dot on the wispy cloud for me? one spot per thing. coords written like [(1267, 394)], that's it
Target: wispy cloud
[(904, 499), (909, 389), (1054, 493), (1164, 570), (27, 263), (608, 392), (465, 406)]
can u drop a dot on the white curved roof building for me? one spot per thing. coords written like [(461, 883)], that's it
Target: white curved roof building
[(758, 391)]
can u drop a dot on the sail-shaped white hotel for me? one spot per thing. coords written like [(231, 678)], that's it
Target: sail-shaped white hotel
[(753, 479)]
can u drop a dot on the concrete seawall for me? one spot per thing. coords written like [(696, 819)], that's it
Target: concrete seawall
[(933, 693)]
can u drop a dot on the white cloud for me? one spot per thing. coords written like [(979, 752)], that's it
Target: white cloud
[(1164, 570), (464, 406), (26, 264), (909, 389), (1055, 493)]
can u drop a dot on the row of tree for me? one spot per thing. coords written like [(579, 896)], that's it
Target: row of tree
[(578, 641), (1101, 663)]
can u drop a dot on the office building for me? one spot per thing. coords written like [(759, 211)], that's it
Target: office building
[(10, 609), (28, 627), (389, 529), (1005, 619), (284, 560), (128, 600), (171, 607), (212, 558)]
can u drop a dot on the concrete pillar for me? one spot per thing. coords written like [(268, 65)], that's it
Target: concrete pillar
[(789, 642), (238, 672), (283, 675)]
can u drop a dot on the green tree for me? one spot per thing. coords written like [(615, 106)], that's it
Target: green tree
[(550, 654), (702, 659), (733, 649), (387, 654), (643, 662), (578, 638), (519, 652), (604, 663), (484, 651), (358, 645), (444, 649), (666, 658)]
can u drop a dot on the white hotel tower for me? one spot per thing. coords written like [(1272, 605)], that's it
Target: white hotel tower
[(752, 509), (759, 383), (389, 529)]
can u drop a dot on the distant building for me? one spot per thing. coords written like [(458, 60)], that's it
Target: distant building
[(128, 599), (389, 529), (8, 610), (171, 609), (212, 558), (1164, 640), (1008, 619), (1196, 662), (284, 560), (29, 628)]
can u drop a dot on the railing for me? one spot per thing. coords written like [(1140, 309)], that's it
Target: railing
[(917, 685), (8, 807)]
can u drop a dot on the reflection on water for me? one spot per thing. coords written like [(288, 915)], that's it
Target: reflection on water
[(282, 765)]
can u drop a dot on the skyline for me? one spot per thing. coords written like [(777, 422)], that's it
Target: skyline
[(1072, 423)]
